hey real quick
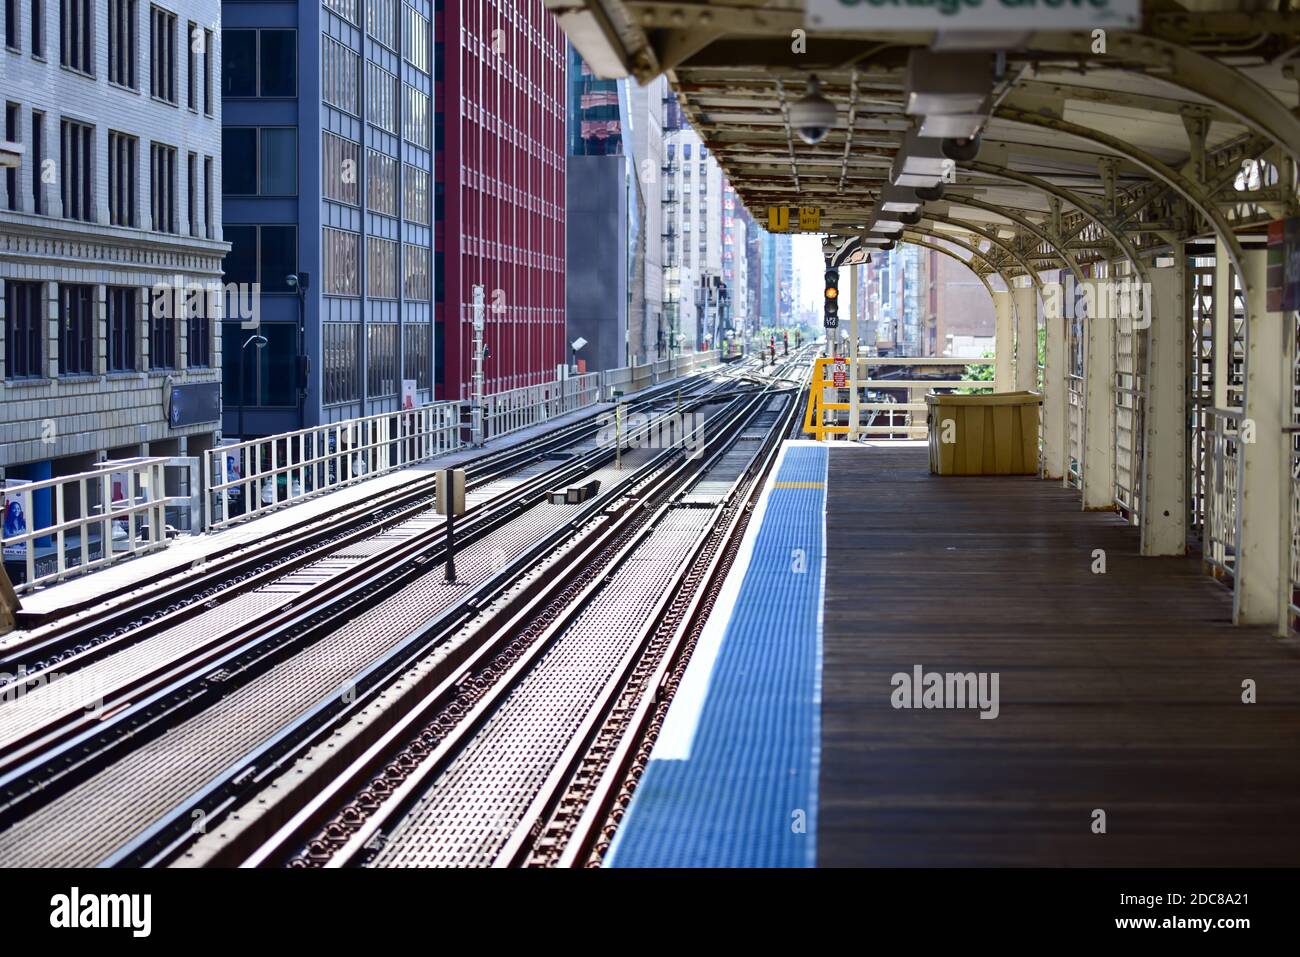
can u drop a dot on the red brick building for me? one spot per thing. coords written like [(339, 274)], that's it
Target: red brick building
[(500, 190)]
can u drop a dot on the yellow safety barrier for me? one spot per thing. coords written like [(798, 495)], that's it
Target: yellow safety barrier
[(813, 422)]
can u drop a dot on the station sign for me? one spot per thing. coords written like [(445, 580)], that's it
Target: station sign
[(194, 404), (972, 16), (788, 219)]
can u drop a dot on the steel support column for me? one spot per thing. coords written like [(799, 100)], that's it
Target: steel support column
[(1054, 423), (1003, 341), (1164, 496), (1260, 596), (1224, 308), (1026, 365), (1099, 405)]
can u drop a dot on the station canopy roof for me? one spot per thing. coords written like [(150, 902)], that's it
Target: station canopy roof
[(1092, 146)]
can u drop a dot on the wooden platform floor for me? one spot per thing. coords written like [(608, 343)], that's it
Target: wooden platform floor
[(1119, 692)]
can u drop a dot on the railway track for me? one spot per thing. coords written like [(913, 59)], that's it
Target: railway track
[(75, 762), (513, 754)]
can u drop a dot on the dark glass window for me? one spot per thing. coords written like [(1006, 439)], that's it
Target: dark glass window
[(239, 161), (262, 254), (240, 264), (239, 63), (278, 161), (76, 329), (267, 375), (279, 62), (279, 257), (122, 310), (23, 312), (162, 331)]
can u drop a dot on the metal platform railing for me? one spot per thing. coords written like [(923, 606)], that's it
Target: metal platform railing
[(115, 511), (1222, 515), (251, 478), (905, 419), (506, 412)]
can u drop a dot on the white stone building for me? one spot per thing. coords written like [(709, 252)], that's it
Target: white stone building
[(693, 232), (114, 108)]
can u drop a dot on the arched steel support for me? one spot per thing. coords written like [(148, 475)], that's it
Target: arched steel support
[(995, 241), (1029, 226), (1192, 192), (1069, 196)]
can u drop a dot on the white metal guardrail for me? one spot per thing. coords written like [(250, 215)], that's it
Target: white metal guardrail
[(116, 511), (245, 479), (125, 505), (1222, 515), (904, 417), (506, 412)]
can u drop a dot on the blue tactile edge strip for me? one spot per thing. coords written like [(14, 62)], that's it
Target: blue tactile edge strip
[(744, 793)]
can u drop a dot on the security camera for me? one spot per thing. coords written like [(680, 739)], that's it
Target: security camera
[(812, 116)]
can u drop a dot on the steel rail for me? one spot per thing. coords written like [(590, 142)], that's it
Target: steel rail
[(167, 836), (246, 566), (41, 764), (506, 624), (463, 731)]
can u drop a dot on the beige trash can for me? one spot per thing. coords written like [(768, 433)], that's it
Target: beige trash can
[(992, 434)]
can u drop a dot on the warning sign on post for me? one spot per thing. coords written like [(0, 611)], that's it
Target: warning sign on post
[(840, 373)]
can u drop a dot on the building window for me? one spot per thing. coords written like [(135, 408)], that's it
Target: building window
[(121, 42), (415, 120), (381, 359), (162, 331), (38, 28), (199, 333), (415, 273), (381, 268), (76, 329), (261, 254), (122, 159), (381, 183), (38, 162), (260, 63), (162, 55), (381, 21), (347, 9), (259, 162), (11, 24), (266, 377), (342, 253), (381, 97), (76, 19), (341, 345), (11, 173), (192, 75), (417, 356), (162, 184), (207, 71), (207, 198), (339, 76), (77, 173), (415, 195), (123, 307), (192, 192), (416, 39), (340, 168), (24, 311)]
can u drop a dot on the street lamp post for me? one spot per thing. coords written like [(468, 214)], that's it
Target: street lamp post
[(261, 341), (300, 283)]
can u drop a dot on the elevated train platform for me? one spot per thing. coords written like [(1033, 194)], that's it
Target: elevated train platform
[(1131, 723)]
